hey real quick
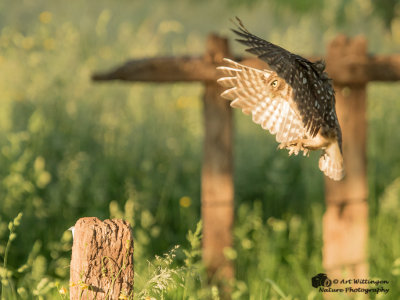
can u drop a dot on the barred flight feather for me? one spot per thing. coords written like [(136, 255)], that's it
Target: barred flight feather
[(249, 90)]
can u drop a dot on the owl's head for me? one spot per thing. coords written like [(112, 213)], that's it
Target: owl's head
[(275, 85)]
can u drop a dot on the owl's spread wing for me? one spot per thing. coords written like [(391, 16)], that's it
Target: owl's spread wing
[(310, 93), (247, 90)]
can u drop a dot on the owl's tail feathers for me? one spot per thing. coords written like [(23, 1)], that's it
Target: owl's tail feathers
[(331, 162)]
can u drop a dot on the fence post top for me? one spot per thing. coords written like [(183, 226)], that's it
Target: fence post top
[(87, 221), (343, 45), (217, 48)]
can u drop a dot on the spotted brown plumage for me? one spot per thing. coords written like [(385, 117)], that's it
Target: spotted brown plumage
[(294, 100)]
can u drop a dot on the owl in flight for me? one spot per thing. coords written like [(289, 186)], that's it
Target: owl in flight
[(294, 100)]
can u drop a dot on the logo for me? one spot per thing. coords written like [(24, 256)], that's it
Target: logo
[(350, 285), (321, 279)]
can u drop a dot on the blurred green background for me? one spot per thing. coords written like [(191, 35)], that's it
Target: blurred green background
[(71, 148)]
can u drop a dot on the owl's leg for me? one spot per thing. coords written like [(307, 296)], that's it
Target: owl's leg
[(316, 143)]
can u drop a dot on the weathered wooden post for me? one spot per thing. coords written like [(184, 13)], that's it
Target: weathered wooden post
[(102, 260), (216, 178), (345, 223)]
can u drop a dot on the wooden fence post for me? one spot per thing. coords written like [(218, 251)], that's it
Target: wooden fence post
[(217, 180), (345, 223), (102, 260)]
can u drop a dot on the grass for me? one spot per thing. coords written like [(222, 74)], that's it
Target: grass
[(71, 148)]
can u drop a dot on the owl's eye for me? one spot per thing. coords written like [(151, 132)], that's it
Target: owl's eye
[(274, 83)]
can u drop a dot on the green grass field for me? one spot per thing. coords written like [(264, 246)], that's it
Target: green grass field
[(71, 148)]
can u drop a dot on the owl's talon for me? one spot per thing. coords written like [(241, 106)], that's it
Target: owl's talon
[(293, 150), (295, 147), (282, 146)]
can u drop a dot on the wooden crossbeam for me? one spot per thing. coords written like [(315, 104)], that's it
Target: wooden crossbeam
[(344, 71), (162, 69)]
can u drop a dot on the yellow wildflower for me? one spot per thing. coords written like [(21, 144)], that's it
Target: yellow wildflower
[(185, 201), (45, 17)]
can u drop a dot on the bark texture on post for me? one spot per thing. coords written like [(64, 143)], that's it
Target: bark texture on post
[(217, 179), (102, 260), (345, 223)]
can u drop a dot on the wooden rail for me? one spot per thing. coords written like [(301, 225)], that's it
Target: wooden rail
[(351, 70)]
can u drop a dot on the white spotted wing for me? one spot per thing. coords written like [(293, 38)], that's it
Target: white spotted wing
[(248, 89)]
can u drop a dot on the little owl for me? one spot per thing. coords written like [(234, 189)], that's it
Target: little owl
[(294, 100)]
